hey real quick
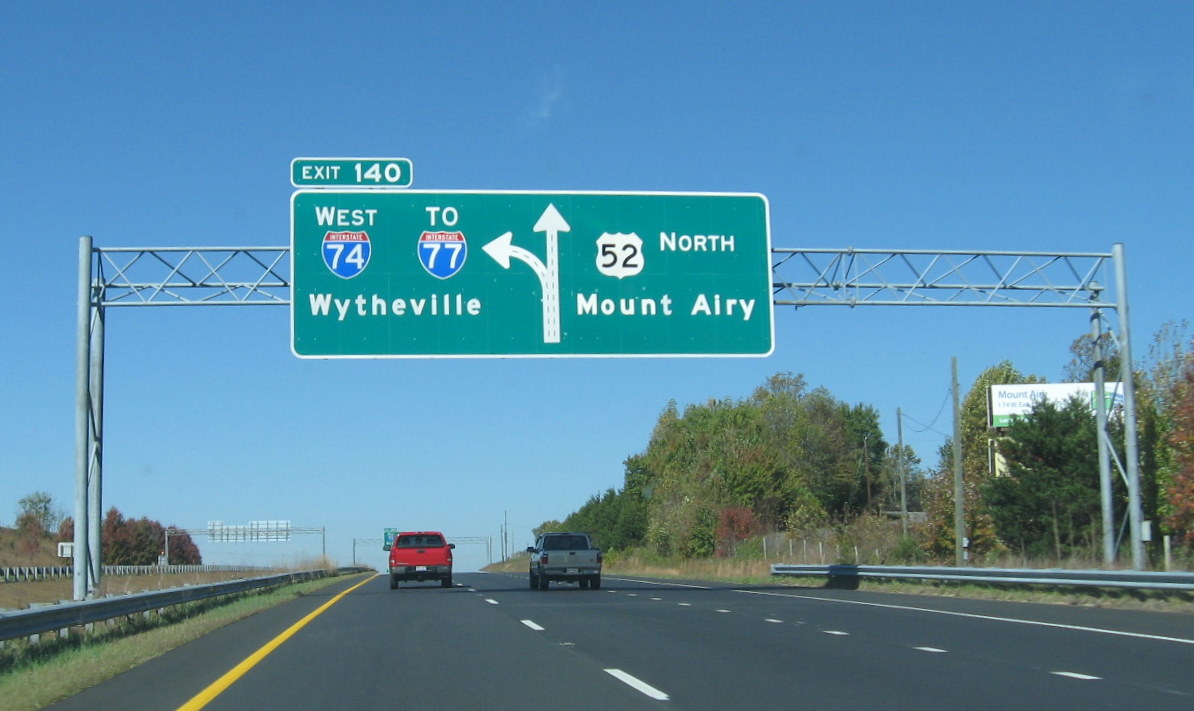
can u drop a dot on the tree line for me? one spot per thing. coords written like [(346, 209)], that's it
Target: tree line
[(124, 541), (790, 458)]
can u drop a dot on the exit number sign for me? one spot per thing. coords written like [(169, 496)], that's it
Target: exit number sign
[(351, 172)]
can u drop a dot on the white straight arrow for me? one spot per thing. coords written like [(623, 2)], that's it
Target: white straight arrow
[(502, 250), (553, 224)]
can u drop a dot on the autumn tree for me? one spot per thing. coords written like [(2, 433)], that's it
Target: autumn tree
[(976, 472), (1180, 490), (139, 542), (37, 513)]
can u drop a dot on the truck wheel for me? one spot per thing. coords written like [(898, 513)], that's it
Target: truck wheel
[(595, 582), (393, 582), (542, 582), (534, 582), (583, 582), (446, 582)]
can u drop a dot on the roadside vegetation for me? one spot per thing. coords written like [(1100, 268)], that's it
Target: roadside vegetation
[(40, 525), (755, 571), (791, 471)]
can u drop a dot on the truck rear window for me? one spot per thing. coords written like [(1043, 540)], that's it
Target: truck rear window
[(420, 542), (565, 543)]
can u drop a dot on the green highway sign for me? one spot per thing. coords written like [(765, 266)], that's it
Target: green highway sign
[(395, 274), (351, 172)]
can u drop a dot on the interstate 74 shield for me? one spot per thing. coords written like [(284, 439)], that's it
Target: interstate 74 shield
[(346, 253)]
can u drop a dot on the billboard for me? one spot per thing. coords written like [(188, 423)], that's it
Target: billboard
[(1006, 402)]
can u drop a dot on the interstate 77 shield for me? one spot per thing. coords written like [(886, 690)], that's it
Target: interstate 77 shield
[(397, 274)]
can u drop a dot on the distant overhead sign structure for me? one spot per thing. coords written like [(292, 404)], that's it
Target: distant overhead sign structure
[(494, 274), (351, 172)]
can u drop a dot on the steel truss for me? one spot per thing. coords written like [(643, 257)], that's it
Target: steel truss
[(254, 276), (192, 276), (856, 277)]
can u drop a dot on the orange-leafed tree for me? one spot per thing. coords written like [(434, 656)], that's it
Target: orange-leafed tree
[(1181, 439)]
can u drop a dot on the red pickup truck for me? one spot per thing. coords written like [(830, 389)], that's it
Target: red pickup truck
[(421, 555)]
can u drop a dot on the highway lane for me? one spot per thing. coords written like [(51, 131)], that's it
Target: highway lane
[(492, 643), (720, 646)]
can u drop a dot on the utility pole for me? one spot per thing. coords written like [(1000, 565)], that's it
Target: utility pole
[(900, 469), (959, 493)]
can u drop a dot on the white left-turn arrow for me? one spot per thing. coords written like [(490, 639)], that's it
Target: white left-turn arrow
[(502, 250)]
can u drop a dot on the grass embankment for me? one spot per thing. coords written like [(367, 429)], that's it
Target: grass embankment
[(758, 572), (33, 676)]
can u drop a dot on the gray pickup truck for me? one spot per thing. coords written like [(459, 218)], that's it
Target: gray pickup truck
[(567, 558)]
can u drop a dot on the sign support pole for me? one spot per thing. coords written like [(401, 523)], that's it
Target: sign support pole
[(1135, 509), (82, 408), (1096, 332)]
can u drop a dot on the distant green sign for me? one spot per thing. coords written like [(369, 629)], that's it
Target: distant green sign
[(351, 172), (493, 274), (388, 539)]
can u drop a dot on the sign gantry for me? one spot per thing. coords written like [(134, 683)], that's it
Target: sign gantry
[(377, 273)]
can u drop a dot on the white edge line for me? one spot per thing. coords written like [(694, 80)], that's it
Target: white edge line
[(1012, 620), (637, 684), (532, 625), (652, 582), (930, 650)]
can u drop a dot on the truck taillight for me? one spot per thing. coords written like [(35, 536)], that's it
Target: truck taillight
[(543, 559), (600, 557)]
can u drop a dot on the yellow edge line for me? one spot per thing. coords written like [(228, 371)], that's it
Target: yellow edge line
[(203, 698)]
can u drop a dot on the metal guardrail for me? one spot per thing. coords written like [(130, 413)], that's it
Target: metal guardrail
[(28, 573), (63, 616), (850, 574)]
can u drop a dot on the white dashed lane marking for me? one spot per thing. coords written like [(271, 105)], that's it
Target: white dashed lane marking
[(532, 625), (637, 684), (1076, 675)]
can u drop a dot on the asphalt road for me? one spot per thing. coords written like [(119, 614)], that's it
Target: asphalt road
[(492, 643)]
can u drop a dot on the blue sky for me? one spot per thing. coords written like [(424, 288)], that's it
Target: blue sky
[(1061, 126)]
